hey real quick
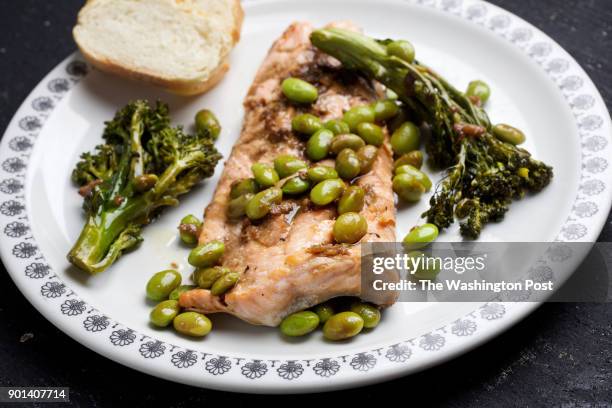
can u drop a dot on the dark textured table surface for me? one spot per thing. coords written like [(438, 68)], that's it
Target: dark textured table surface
[(561, 355)]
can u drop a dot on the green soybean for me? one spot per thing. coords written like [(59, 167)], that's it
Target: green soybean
[(300, 91), (352, 200), (318, 173), (317, 147), (236, 208), (369, 314), (192, 324), (264, 174), (306, 124), (349, 228), (384, 110), (346, 141), (338, 127), (163, 314), (224, 283), (357, 115), (416, 173), (508, 134), (162, 283), (420, 236), (401, 49), (342, 326), (189, 229), (295, 186), (347, 164), (413, 158), (324, 311), (367, 156), (205, 277), (261, 204), (286, 165), (406, 138), (299, 324), (480, 90), (407, 187), (206, 121), (427, 268), (177, 292), (372, 134), (242, 187), (207, 254), (327, 191)]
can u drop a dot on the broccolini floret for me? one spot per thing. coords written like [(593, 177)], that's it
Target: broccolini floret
[(484, 174), (143, 166)]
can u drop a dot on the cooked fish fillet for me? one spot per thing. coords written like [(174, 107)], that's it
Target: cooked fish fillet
[(289, 262)]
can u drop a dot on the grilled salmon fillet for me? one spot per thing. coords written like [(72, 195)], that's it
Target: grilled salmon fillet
[(288, 261)]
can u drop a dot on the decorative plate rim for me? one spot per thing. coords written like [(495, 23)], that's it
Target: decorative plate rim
[(83, 322)]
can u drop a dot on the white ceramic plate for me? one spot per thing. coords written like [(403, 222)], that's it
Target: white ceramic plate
[(536, 85)]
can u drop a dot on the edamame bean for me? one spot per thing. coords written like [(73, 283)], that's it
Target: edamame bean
[(299, 324), (508, 134), (338, 127), (318, 145), (206, 121), (401, 49), (427, 268), (352, 200), (300, 91), (205, 277), (416, 173), (295, 186), (192, 324), (371, 133), (369, 314), (349, 228), (176, 293), (406, 138), (479, 90), (384, 110), (343, 326), (236, 208), (346, 141), (324, 311), (407, 187), (357, 115), (306, 124), (286, 165), (318, 173), (420, 236), (162, 283), (327, 191), (189, 229), (413, 158), (163, 314), (207, 254), (367, 156), (224, 283), (261, 204), (242, 187), (347, 164), (264, 174)]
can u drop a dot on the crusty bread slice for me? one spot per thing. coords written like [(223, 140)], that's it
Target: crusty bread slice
[(180, 45)]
